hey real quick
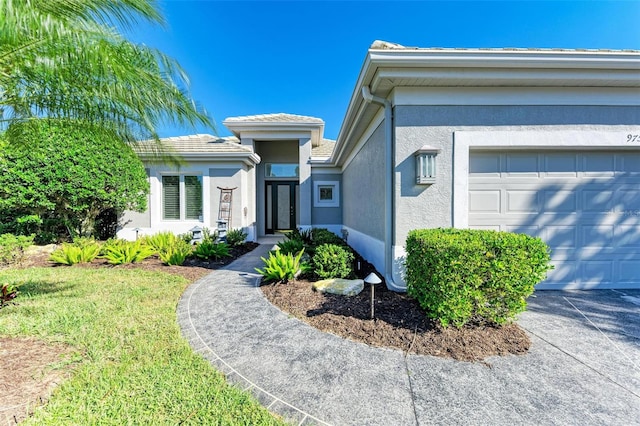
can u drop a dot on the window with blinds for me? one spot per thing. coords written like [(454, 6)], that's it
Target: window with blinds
[(182, 197), (171, 197), (193, 197)]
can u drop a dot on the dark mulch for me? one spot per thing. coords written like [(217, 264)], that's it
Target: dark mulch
[(399, 322)]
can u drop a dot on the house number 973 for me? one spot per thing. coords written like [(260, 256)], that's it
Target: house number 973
[(633, 138)]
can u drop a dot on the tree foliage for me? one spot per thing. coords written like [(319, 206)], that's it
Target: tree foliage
[(70, 173), (65, 59)]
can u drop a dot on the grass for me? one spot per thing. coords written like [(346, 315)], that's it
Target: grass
[(133, 366)]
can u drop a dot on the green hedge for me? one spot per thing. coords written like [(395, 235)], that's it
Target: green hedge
[(462, 275)]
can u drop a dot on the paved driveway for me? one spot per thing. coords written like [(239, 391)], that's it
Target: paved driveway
[(582, 369)]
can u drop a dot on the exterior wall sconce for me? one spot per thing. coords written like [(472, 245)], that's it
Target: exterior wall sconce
[(426, 165)]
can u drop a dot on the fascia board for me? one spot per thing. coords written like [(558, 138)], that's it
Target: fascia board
[(246, 158), (278, 130), (506, 59), (513, 77)]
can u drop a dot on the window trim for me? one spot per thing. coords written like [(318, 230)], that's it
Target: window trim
[(335, 199)]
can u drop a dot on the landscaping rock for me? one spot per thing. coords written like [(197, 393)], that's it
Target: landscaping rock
[(339, 286)]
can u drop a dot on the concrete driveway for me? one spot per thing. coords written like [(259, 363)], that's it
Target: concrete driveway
[(583, 367)]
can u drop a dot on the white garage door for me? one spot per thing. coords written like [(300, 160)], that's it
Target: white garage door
[(584, 205)]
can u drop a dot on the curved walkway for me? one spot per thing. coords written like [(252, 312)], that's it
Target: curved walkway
[(583, 367)]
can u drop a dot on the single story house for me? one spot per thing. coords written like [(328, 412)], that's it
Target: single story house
[(539, 141)]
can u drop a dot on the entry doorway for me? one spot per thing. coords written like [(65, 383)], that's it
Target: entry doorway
[(281, 206)]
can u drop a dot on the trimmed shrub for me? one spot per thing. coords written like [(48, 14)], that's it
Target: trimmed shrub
[(321, 236), (236, 237), (12, 248), (332, 261), (463, 275)]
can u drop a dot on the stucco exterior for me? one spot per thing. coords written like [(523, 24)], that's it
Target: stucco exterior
[(363, 188), (421, 206), (450, 101)]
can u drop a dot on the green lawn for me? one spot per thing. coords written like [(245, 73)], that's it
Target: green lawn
[(134, 367)]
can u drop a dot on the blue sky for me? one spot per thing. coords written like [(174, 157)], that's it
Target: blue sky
[(303, 57)]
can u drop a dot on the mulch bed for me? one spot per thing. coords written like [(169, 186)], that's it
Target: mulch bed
[(399, 322)]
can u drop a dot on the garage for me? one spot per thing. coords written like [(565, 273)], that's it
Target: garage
[(585, 204)]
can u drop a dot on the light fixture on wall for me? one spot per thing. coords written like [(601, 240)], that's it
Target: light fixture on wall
[(426, 165)]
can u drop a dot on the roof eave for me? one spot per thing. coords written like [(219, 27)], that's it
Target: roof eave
[(493, 68)]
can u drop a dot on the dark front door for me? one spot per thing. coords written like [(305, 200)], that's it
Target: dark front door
[(281, 206)]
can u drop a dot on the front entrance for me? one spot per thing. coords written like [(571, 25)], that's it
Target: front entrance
[(281, 201)]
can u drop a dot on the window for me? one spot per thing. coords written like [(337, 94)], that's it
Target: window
[(326, 194), (275, 170), (182, 197)]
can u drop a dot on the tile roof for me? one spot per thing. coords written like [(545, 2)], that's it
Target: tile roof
[(274, 118), (191, 144), (325, 149), (385, 45)]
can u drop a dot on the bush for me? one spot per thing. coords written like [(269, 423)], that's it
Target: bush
[(118, 252), (332, 261), (236, 237), (460, 275), (321, 236), (12, 248), (82, 250), (303, 236), (290, 246), (280, 267), (162, 241), (176, 253), (210, 250)]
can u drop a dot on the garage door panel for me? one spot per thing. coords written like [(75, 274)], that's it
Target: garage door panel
[(522, 165), (628, 271), (523, 201), (597, 271), (565, 237), (560, 201), (560, 165), (584, 205), (599, 201), (563, 272), (486, 201), (598, 164), (487, 164), (627, 236), (629, 201), (629, 164), (597, 236)]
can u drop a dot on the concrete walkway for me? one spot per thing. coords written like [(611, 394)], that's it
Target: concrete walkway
[(583, 367)]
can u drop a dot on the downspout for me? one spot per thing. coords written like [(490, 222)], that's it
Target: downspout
[(389, 189)]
